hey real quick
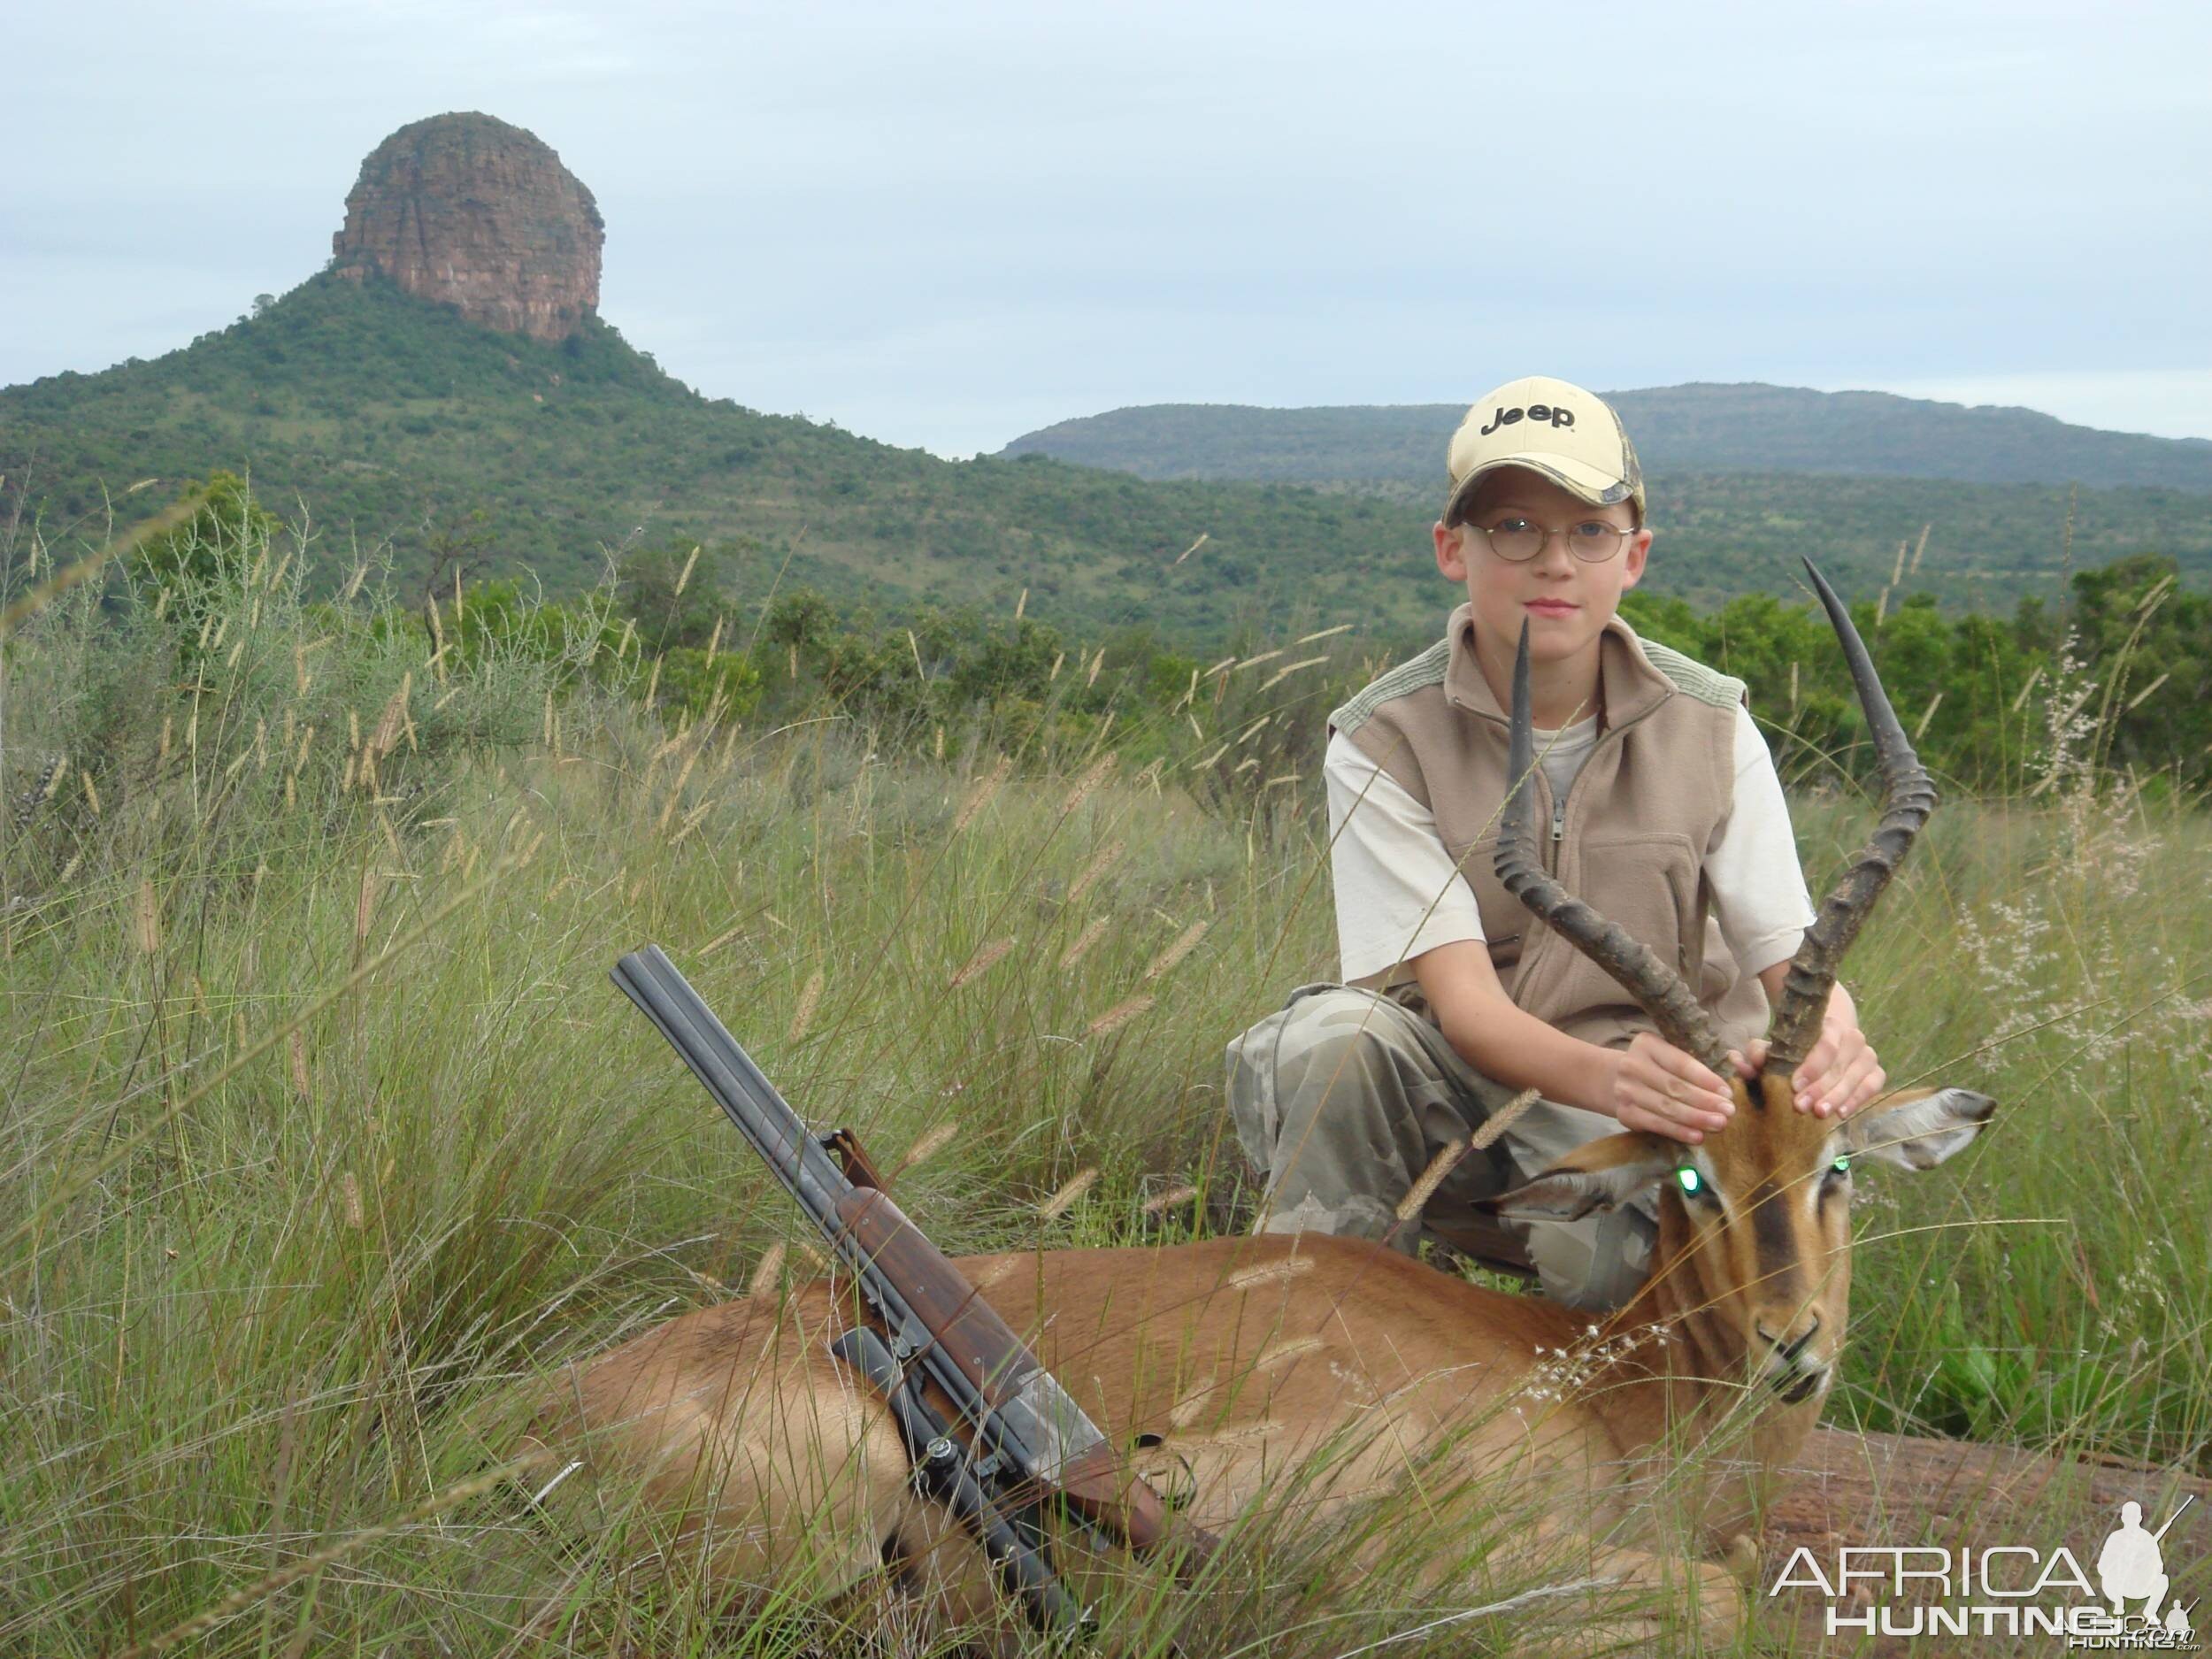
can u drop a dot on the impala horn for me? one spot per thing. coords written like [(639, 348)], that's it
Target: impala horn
[(1907, 797), (1674, 1009)]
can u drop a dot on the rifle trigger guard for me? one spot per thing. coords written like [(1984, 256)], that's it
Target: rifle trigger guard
[(1017, 1550)]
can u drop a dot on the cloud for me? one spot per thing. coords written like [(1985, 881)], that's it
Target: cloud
[(934, 223)]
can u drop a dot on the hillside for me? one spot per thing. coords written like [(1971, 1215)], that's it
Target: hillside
[(393, 421), (1695, 428), (396, 424)]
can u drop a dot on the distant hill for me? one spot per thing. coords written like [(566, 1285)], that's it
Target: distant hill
[(1986, 505), (1698, 428), (396, 423)]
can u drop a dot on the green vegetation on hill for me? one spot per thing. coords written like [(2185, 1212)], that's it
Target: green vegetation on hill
[(407, 433), (396, 421)]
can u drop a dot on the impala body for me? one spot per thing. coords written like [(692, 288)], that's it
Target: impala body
[(1340, 1369)]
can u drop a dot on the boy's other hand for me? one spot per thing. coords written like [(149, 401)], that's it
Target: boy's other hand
[(1658, 1088), (1841, 1073)]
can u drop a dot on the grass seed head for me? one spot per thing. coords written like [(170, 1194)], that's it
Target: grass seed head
[(1119, 1015), (1063, 1201), (981, 963)]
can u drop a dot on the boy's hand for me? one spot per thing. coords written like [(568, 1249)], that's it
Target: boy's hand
[(1841, 1073), (1658, 1088)]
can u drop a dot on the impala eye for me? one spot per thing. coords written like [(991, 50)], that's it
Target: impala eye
[(1842, 1166), (1692, 1181)]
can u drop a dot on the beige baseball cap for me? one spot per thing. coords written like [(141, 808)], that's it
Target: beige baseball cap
[(1571, 436)]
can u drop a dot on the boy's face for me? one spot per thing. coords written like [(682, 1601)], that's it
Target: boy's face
[(1565, 599)]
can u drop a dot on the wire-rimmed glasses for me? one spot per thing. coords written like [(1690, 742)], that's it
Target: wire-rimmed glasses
[(1517, 538)]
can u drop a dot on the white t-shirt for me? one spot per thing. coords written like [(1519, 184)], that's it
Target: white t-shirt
[(1398, 894)]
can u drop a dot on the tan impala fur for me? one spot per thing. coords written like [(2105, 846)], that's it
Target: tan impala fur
[(1222, 1364), (1224, 1368)]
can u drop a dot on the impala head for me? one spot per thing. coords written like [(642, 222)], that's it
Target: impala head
[(1755, 1221)]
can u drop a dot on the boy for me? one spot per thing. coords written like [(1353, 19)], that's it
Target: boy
[(1664, 813)]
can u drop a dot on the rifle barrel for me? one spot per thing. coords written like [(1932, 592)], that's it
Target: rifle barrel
[(994, 1382), (762, 1115), (2175, 1516)]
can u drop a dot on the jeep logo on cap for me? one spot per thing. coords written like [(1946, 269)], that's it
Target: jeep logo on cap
[(1534, 412)]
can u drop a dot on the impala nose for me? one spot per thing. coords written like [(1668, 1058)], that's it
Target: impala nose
[(1786, 1346), (1795, 1370)]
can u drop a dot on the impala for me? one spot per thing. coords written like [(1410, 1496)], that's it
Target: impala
[(1222, 1364)]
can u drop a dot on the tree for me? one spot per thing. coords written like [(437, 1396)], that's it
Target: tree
[(225, 523), (675, 592), (454, 543), (801, 617)]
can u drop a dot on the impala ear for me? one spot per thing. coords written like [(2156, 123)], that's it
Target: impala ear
[(1599, 1175), (1917, 1129)]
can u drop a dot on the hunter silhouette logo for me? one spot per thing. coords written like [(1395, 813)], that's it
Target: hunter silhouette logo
[(2131, 1566), (1534, 412), (2006, 1590)]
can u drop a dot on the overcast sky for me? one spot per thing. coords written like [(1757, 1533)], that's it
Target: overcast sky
[(947, 224)]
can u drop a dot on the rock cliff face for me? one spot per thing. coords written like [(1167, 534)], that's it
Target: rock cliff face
[(470, 212)]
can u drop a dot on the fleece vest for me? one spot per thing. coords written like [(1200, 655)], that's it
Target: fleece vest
[(1628, 839)]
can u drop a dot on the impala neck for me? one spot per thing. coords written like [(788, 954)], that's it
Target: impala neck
[(1702, 1358)]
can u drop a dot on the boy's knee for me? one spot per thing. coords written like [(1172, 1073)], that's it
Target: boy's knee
[(1598, 1263), (1330, 1090), (1334, 1045)]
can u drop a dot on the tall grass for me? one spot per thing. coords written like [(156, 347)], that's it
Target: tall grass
[(327, 1135)]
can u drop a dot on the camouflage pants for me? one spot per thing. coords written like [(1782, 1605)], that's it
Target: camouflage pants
[(1342, 1097)]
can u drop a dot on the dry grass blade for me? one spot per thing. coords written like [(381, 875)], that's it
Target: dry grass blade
[(55, 586), (979, 797), (1498, 1122), (1288, 668), (67, 1192), (981, 963), (349, 1202), (1088, 783), (1101, 862), (1185, 943), (809, 998), (1119, 1015), (146, 918), (1063, 1201), (1088, 937), (2142, 696), (1159, 1203), (935, 1141), (1447, 1159), (261, 1589), (768, 1273)]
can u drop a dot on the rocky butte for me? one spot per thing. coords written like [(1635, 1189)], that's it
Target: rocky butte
[(480, 215)]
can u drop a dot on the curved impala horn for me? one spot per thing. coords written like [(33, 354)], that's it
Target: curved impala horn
[(1908, 798), (1681, 1019)]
